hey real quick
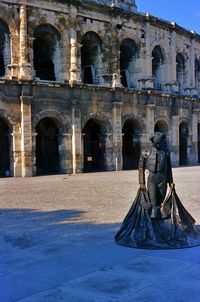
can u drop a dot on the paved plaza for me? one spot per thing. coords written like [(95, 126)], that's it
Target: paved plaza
[(56, 242)]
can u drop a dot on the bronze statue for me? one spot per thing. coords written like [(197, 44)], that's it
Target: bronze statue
[(158, 163), (157, 221)]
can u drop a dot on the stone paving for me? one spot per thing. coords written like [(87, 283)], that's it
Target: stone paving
[(56, 242)]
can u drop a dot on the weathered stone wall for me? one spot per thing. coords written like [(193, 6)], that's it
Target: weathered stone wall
[(153, 95)]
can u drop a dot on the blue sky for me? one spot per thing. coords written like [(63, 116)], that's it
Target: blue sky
[(186, 13)]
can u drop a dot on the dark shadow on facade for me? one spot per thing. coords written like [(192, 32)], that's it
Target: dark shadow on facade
[(94, 147), (4, 149), (183, 143), (47, 153), (131, 145)]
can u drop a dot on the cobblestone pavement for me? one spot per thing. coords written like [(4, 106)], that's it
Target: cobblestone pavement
[(56, 241), (56, 203)]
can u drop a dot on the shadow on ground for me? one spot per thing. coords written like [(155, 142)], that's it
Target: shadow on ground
[(26, 228)]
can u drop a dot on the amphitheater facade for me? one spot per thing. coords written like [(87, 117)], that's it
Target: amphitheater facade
[(83, 85)]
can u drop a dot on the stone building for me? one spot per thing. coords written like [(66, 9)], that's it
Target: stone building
[(83, 84)]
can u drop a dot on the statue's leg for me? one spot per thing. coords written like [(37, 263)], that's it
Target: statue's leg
[(154, 194)]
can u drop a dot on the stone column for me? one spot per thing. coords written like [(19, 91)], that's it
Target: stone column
[(175, 140), (115, 59), (77, 154), (109, 152), (75, 70), (17, 167), (173, 83), (194, 138), (150, 120), (191, 89), (65, 152), (12, 68), (148, 83), (26, 136), (117, 136), (25, 68)]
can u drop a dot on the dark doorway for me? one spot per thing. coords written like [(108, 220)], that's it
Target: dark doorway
[(94, 147), (47, 155), (199, 143), (183, 143), (2, 66), (131, 145), (4, 149)]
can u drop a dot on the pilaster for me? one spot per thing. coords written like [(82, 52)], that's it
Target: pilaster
[(25, 68), (26, 136)]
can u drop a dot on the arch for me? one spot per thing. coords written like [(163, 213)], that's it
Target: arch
[(60, 120), (161, 125), (183, 143), (180, 71), (128, 55), (131, 132), (157, 66), (10, 23), (92, 55), (46, 52), (101, 118), (94, 144)]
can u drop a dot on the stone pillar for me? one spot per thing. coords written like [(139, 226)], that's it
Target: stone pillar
[(17, 167), (34, 136), (194, 138), (148, 83), (26, 136), (115, 59), (77, 154), (75, 69), (175, 140), (65, 152), (173, 83), (150, 120), (190, 69), (117, 136), (109, 152), (12, 68), (25, 68)]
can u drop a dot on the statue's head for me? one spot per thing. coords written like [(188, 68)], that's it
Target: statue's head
[(158, 140)]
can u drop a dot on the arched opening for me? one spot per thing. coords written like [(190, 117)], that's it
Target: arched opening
[(161, 126), (4, 149), (94, 146), (131, 144), (91, 58), (128, 55), (198, 129), (183, 143), (157, 63), (46, 52), (47, 152), (180, 71), (4, 47)]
